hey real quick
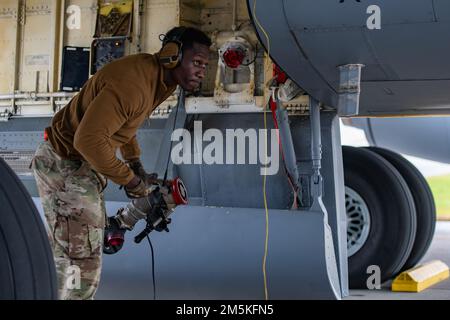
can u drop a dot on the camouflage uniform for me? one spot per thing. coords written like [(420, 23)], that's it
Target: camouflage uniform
[(71, 194)]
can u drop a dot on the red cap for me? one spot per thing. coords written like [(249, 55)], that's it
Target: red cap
[(179, 192), (233, 57)]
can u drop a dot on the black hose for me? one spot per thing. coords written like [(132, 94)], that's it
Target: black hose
[(153, 268)]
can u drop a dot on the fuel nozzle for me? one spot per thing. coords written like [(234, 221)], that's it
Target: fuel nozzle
[(160, 205), (156, 208)]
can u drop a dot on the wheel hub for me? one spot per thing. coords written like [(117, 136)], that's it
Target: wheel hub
[(358, 221)]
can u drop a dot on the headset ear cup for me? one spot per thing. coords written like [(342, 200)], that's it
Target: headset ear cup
[(170, 55)]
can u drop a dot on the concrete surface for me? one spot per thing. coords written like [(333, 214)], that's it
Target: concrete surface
[(439, 250)]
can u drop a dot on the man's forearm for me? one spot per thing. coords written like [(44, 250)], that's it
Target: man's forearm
[(131, 150)]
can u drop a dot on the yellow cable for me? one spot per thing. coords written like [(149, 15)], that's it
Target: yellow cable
[(261, 27), (266, 243)]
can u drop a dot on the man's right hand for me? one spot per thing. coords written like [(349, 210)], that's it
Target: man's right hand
[(136, 188)]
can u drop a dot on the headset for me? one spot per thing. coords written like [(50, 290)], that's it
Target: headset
[(171, 52)]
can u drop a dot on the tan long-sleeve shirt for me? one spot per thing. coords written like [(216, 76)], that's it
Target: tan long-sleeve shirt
[(107, 112)]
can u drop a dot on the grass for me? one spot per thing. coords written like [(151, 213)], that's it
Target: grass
[(440, 186)]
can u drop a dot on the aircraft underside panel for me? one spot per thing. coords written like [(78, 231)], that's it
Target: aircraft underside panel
[(222, 231), (406, 67), (217, 253)]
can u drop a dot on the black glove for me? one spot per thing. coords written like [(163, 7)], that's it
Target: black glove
[(138, 169), (138, 191), (114, 236)]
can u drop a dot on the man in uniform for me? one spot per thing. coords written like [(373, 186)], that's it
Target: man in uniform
[(72, 166)]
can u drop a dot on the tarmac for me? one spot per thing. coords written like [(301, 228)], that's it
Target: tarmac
[(439, 250)]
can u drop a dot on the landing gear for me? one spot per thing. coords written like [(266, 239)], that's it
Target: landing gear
[(390, 211), (423, 201), (27, 269), (387, 216)]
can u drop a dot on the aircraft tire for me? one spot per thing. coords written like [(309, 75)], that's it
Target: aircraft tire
[(392, 216), (27, 270), (423, 201)]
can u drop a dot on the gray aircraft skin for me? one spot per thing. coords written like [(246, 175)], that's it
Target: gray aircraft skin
[(405, 66), (405, 69), (215, 246)]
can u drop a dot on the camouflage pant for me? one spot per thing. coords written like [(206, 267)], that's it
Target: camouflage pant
[(71, 194)]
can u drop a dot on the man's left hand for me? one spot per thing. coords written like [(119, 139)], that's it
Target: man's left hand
[(138, 169)]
